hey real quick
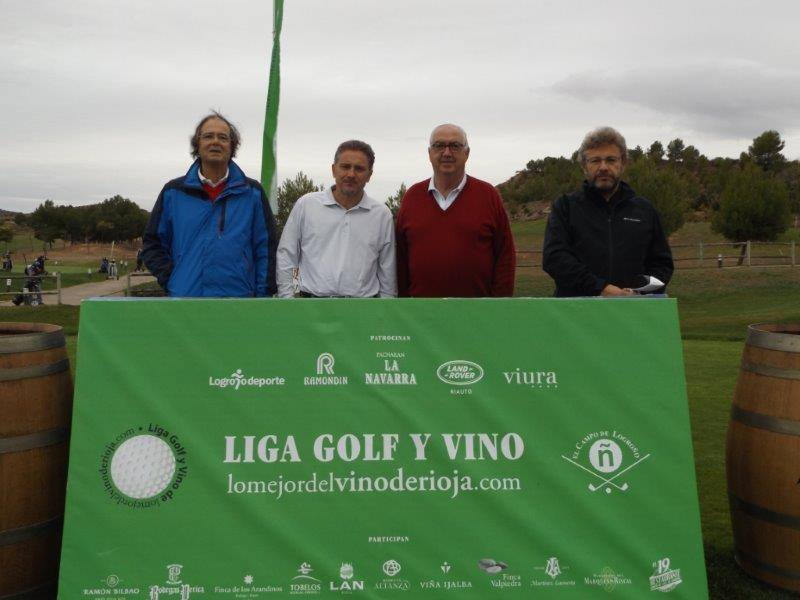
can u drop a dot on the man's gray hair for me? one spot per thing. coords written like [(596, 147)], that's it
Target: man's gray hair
[(456, 127), (603, 136), (194, 140)]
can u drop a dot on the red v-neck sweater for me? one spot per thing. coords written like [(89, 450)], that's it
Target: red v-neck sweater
[(463, 252)]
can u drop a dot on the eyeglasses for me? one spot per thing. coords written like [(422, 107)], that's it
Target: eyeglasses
[(611, 161), (209, 136), (455, 147)]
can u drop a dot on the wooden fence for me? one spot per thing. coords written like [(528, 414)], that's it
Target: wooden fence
[(705, 256)]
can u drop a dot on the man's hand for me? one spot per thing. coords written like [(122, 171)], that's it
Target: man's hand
[(612, 290)]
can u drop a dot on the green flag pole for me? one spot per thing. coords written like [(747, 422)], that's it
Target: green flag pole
[(268, 152)]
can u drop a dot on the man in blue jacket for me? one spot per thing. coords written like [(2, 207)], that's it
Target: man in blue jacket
[(212, 232)]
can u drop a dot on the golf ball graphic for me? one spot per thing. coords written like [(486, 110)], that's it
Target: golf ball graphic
[(143, 466)]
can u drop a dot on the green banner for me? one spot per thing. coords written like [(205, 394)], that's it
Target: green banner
[(381, 449)]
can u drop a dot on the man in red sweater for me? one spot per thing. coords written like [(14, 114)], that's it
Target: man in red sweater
[(453, 236)]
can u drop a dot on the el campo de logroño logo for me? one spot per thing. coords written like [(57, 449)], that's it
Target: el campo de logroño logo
[(608, 457)]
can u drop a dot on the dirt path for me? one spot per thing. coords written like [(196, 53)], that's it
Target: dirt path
[(109, 287), (74, 294)]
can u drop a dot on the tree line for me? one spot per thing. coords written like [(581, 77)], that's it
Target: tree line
[(749, 198), (115, 219)]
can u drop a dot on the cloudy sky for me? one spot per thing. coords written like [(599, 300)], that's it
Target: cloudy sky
[(99, 96)]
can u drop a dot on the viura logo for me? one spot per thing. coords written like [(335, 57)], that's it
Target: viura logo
[(461, 373), (535, 379)]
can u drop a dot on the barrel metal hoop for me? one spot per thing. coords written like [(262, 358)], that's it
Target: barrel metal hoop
[(21, 443), (767, 422), (32, 342), (763, 514), (774, 570), (13, 536), (34, 370), (769, 371), (771, 340)]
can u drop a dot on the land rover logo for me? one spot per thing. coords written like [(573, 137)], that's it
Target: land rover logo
[(460, 372)]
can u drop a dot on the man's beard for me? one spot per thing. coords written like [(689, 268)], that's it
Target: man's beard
[(606, 185)]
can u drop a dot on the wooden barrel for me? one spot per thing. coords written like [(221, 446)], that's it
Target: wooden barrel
[(763, 456), (35, 410)]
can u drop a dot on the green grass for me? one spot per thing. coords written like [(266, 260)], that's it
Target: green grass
[(528, 235), (719, 304), (24, 242)]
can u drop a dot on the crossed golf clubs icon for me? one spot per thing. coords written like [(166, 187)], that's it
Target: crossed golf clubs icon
[(610, 480)]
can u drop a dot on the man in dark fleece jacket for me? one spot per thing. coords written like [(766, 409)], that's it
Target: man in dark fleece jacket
[(604, 240)]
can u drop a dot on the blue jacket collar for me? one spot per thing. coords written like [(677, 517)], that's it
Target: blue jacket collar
[(236, 177)]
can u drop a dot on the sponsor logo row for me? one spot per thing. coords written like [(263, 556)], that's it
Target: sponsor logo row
[(552, 573), (458, 373)]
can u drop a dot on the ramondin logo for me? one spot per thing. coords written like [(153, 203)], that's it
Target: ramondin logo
[(460, 372), (143, 467), (604, 455), (325, 362), (325, 372), (237, 380)]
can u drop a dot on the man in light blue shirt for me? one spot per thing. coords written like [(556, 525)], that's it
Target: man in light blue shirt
[(339, 242)]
